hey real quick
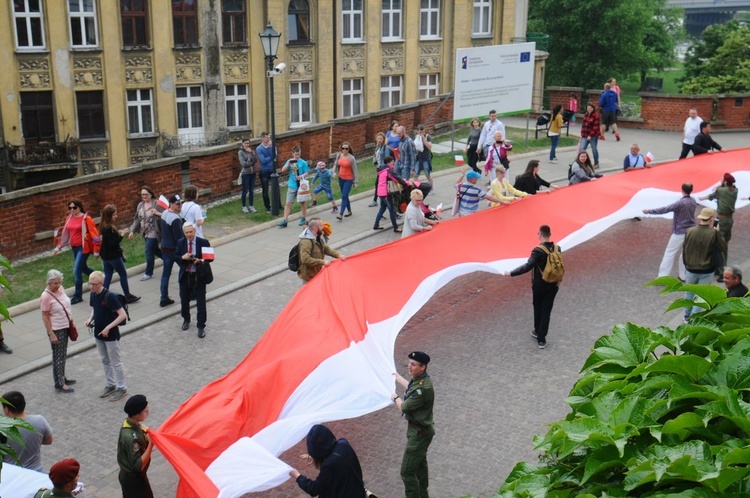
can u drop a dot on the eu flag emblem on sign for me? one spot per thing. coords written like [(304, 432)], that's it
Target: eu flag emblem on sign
[(525, 56), (464, 62)]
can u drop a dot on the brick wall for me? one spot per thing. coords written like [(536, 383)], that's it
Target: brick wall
[(30, 215), (561, 95), (668, 112), (734, 110)]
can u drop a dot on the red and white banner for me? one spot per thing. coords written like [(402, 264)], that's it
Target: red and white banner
[(207, 253), (334, 360), (163, 202)]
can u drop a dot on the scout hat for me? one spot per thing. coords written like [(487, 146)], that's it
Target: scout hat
[(419, 356), (706, 214), (135, 405), (64, 471)]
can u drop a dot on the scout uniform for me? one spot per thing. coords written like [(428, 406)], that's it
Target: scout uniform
[(131, 445), (726, 198), (417, 409)]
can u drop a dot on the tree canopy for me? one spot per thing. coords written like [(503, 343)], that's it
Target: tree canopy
[(655, 413), (595, 40), (720, 61)]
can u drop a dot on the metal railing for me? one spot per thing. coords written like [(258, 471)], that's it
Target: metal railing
[(44, 153)]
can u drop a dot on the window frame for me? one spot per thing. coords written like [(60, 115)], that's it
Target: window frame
[(43, 113), (388, 91), (188, 100), (143, 107), (484, 7), (389, 13), (352, 96), (355, 18), (132, 17), (424, 89), (91, 116), (306, 13), (29, 17), (302, 98), (432, 32), (232, 16), (185, 16), (82, 16), (235, 101)]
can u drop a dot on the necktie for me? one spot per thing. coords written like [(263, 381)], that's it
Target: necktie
[(190, 250)]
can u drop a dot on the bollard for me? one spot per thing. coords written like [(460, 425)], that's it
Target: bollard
[(275, 194)]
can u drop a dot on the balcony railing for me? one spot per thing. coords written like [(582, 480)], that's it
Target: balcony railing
[(43, 153)]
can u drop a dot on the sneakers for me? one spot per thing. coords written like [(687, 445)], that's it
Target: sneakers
[(533, 334), (132, 299), (166, 302), (283, 224), (107, 391), (245, 210), (541, 344), (617, 136), (596, 165), (334, 210), (372, 204), (252, 209), (602, 137), (302, 222), (553, 161), (268, 211), (76, 300), (146, 277), (315, 203), (118, 394), (5, 349)]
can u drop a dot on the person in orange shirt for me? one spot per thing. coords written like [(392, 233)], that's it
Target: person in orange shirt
[(345, 167), (81, 235)]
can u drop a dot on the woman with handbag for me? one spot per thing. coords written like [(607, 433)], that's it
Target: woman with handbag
[(340, 473), (79, 232), (345, 167), (146, 222), (388, 182), (55, 306), (111, 252)]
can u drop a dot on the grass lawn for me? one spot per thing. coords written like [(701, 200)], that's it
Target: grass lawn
[(28, 280), (629, 88)]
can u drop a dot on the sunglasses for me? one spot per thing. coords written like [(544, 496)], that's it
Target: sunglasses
[(344, 148), (71, 208)]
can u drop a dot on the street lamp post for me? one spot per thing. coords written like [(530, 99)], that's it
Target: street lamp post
[(269, 39)]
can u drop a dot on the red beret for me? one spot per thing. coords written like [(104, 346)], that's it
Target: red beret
[(729, 178), (64, 471)]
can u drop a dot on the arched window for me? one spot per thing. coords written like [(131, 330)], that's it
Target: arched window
[(299, 21)]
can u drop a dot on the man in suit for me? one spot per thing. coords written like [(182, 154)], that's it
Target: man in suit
[(195, 274)]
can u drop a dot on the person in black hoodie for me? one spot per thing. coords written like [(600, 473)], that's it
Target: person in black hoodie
[(340, 473)]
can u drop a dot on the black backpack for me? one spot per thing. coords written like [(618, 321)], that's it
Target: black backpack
[(294, 258), (120, 299)]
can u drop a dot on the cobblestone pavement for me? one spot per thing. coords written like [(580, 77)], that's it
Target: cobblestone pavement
[(495, 389)]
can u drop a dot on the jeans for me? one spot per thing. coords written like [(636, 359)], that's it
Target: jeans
[(248, 183), (114, 370), (265, 179), (152, 243), (386, 202), (169, 258), (426, 165), (672, 252), (80, 266), (555, 139), (543, 295), (116, 265), (405, 172), (346, 187), (695, 278), (594, 141)]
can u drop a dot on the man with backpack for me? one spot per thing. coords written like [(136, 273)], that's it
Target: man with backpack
[(548, 270), (106, 315), (313, 251)]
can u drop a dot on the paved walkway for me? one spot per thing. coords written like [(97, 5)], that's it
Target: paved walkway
[(254, 254)]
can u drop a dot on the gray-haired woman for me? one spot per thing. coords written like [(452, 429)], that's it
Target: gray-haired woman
[(55, 305)]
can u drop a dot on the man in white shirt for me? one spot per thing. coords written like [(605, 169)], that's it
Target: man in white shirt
[(690, 131), (486, 138)]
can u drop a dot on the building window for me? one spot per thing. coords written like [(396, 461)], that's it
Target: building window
[(390, 91), (391, 20), (185, 22), (140, 112), (429, 85), (37, 117), (351, 10), (300, 103), (134, 16), (352, 95), (189, 107), (233, 22), (29, 23), (482, 23), (235, 97), (299, 21), (429, 19), (90, 110), (83, 23)]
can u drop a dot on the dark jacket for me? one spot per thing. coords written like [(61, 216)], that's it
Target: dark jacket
[(699, 251), (111, 239), (340, 473), (703, 143), (530, 184), (182, 248), (536, 263)]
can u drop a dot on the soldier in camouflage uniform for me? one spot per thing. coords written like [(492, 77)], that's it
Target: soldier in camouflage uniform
[(134, 450), (416, 407)]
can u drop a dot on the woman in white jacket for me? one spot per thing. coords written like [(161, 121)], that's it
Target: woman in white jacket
[(414, 221)]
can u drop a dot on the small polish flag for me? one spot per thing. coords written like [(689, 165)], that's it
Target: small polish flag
[(649, 157), (163, 202), (459, 160), (208, 254)]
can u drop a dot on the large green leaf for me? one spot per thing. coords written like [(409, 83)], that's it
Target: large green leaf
[(693, 367), (712, 294), (670, 284), (731, 306), (684, 303), (733, 409), (601, 460), (682, 423), (732, 372), (628, 346)]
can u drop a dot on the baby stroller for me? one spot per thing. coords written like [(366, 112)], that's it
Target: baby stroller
[(402, 198)]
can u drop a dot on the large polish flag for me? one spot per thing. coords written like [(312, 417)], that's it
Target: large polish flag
[(335, 360)]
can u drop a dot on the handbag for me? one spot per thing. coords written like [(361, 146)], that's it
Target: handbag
[(72, 330), (303, 192)]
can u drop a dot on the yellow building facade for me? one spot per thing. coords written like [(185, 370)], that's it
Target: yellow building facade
[(127, 80)]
